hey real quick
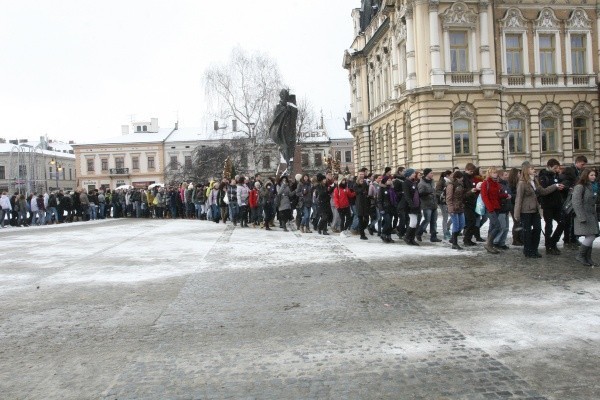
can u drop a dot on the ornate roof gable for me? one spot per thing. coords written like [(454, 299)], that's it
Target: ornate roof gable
[(513, 20), (547, 20), (459, 15), (579, 20)]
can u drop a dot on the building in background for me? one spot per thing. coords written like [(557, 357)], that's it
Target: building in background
[(439, 83), (36, 166), (134, 158)]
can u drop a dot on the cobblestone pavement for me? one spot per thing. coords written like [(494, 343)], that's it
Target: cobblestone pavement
[(194, 310)]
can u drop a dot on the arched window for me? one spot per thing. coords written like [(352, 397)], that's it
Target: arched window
[(582, 115), (138, 128), (516, 135), (463, 116), (517, 115), (549, 132), (461, 129)]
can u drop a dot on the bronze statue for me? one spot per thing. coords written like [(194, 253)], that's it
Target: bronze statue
[(283, 127)]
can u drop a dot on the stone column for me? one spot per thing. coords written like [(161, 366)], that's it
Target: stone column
[(487, 73), (411, 80), (437, 73)]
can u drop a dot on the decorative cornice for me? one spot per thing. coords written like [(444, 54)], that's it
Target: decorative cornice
[(463, 110), (582, 110), (459, 15), (550, 110), (547, 20), (518, 111), (513, 20), (579, 20)]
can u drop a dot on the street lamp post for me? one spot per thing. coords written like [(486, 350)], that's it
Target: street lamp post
[(58, 169), (502, 135)]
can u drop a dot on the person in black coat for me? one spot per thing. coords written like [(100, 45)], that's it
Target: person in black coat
[(323, 197), (387, 202), (412, 203), (362, 203), (552, 206)]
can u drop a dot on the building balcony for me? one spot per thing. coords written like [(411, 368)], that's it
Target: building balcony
[(462, 78), (118, 171)]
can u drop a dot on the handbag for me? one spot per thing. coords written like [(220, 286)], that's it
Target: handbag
[(567, 206), (480, 206), (226, 198)]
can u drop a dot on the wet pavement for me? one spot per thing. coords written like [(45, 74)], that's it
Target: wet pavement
[(155, 309)]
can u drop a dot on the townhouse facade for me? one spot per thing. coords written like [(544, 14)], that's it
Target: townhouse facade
[(36, 166), (442, 83)]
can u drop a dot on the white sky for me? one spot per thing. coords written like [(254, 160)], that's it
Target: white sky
[(78, 69)]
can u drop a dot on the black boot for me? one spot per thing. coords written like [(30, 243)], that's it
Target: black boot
[(468, 236), (454, 241), (411, 233)]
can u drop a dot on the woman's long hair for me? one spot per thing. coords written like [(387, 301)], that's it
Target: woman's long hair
[(584, 178), (513, 177)]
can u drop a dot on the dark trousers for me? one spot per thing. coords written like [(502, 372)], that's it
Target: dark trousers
[(345, 218), (532, 230), (363, 221), (569, 236), (325, 216), (550, 215), (470, 222)]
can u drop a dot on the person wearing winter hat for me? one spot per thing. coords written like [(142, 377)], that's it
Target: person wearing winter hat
[(408, 172)]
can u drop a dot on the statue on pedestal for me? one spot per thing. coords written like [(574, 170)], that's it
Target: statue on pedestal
[(283, 127)]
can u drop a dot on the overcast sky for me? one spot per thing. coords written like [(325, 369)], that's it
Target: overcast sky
[(78, 69)]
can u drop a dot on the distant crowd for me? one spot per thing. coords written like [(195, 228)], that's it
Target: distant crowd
[(403, 202)]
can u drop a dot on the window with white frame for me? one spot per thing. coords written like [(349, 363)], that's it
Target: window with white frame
[(578, 54), (578, 43), (514, 54), (547, 54), (459, 51)]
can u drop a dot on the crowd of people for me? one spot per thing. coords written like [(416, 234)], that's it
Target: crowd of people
[(404, 202)]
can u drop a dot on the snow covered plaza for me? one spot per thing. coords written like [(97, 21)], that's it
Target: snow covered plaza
[(185, 309)]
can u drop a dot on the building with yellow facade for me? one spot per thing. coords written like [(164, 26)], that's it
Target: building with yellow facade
[(438, 83)]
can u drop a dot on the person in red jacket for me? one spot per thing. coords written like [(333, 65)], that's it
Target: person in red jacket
[(254, 205), (341, 199), (491, 193)]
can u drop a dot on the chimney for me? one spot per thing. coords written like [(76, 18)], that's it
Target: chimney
[(154, 125), (71, 142), (2, 140), (216, 125), (234, 125), (124, 129), (177, 125)]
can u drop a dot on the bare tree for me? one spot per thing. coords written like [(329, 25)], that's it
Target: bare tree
[(246, 88), (306, 120)]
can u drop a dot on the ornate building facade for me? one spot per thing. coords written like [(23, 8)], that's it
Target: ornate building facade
[(438, 83)]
